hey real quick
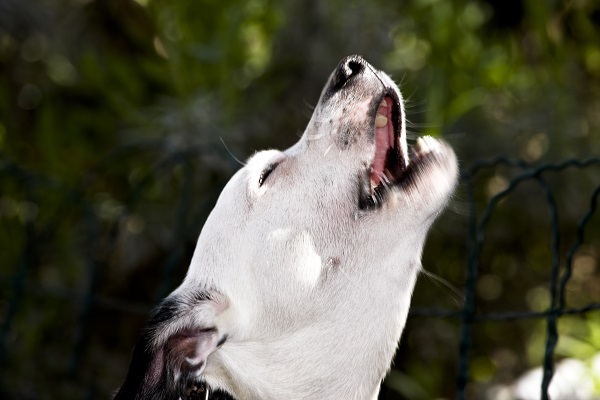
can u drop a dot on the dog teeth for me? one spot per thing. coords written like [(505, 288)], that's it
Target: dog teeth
[(420, 145), (380, 120), (426, 145)]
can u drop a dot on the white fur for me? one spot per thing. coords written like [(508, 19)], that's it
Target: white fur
[(314, 291)]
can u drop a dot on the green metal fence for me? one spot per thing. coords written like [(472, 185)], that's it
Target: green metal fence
[(557, 284)]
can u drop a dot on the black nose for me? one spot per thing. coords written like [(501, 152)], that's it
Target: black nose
[(348, 68)]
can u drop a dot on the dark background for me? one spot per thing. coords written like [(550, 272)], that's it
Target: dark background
[(121, 120)]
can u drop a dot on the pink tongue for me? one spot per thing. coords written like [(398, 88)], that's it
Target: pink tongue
[(384, 139)]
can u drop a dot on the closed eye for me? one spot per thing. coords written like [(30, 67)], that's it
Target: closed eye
[(266, 172)]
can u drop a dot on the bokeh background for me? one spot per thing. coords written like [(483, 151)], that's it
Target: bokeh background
[(121, 120)]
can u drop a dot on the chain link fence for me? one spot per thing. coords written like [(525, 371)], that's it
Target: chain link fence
[(477, 223)]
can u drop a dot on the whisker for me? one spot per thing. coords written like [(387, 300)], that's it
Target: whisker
[(422, 125), (316, 136), (243, 164), (455, 294), (410, 104), (412, 135), (385, 181), (310, 106)]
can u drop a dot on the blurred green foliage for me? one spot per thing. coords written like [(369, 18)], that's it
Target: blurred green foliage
[(120, 121)]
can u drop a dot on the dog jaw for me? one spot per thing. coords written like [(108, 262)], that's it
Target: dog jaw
[(313, 281)]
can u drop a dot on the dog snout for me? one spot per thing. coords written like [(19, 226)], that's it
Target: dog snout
[(347, 69)]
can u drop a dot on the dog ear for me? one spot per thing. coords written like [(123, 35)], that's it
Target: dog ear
[(170, 355)]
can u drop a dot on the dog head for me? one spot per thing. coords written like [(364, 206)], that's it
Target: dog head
[(301, 280)]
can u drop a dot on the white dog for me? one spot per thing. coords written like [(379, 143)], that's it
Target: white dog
[(301, 280)]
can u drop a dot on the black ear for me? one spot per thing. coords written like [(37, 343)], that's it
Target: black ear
[(169, 357)]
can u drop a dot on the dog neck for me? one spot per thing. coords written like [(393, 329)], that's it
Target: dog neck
[(279, 370)]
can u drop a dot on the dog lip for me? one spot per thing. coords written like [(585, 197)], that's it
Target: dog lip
[(397, 127), (391, 165), (400, 170), (421, 157), (389, 161)]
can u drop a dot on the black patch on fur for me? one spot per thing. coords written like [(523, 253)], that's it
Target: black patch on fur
[(148, 378), (348, 136), (345, 72), (222, 341), (266, 172)]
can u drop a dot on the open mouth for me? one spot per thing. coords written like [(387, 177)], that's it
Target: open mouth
[(392, 165)]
